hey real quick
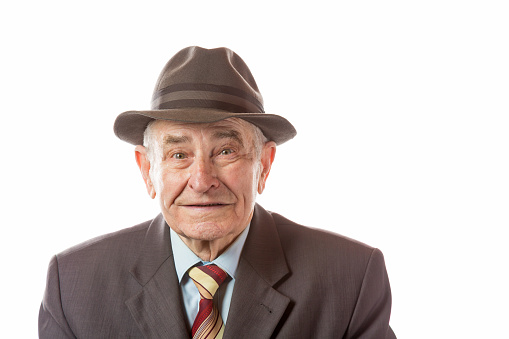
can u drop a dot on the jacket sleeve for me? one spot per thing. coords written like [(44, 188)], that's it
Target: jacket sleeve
[(52, 321), (371, 315)]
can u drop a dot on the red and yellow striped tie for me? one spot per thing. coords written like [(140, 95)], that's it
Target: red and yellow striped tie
[(208, 323)]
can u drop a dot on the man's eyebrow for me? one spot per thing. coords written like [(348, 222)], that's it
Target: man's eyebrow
[(175, 139), (229, 134)]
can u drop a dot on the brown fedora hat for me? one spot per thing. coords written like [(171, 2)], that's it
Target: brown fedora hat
[(201, 85)]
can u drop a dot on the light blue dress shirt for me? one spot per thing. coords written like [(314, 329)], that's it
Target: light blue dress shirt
[(228, 261)]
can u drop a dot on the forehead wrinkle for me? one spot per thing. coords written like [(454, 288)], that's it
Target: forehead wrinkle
[(226, 129), (229, 134), (171, 139)]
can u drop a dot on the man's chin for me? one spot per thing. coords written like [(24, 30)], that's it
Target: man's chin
[(202, 211), (203, 231)]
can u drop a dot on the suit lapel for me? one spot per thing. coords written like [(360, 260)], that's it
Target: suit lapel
[(256, 307), (157, 309)]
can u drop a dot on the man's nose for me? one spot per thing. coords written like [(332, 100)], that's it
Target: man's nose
[(203, 175)]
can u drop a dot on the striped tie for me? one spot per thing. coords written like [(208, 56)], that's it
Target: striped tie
[(208, 323)]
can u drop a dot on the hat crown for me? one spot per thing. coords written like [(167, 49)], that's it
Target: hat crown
[(209, 78), (199, 85)]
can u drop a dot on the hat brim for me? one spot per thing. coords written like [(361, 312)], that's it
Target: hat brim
[(130, 126)]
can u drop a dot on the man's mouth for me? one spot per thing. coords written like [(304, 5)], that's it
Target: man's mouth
[(204, 205)]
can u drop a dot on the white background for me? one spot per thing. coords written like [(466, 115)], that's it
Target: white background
[(401, 109)]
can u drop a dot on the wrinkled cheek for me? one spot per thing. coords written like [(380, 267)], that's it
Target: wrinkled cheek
[(249, 196), (171, 188)]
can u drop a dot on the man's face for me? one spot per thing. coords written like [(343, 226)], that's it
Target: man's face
[(206, 176)]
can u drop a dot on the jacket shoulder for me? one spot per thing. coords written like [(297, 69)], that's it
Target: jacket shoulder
[(126, 239), (290, 231), (87, 286)]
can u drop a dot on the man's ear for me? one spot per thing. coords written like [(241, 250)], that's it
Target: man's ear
[(267, 158), (140, 153)]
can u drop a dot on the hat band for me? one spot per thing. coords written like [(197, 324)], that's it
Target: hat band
[(206, 95)]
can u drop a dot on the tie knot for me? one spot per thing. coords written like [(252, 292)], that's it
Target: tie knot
[(207, 278)]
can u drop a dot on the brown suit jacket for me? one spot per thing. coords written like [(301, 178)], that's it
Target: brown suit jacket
[(293, 282)]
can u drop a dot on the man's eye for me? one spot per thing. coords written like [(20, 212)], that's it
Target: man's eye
[(179, 156), (226, 152)]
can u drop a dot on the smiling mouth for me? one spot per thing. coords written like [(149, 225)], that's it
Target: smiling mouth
[(205, 205)]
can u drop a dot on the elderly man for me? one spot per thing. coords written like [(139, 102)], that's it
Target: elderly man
[(214, 263)]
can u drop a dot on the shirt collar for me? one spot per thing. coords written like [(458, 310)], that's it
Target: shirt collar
[(185, 258)]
